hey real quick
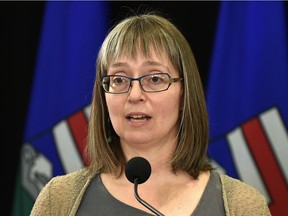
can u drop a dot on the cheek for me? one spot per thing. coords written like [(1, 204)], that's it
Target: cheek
[(176, 99), (113, 105), (114, 112), (170, 107)]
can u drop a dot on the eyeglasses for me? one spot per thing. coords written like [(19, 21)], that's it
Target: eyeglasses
[(157, 82)]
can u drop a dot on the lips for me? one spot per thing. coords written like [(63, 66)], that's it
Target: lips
[(138, 117)]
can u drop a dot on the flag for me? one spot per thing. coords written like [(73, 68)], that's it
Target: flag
[(56, 127), (247, 98)]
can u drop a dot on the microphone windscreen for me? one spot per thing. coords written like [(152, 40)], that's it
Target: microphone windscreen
[(138, 167)]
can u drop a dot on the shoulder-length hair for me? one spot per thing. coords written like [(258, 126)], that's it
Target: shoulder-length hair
[(145, 33)]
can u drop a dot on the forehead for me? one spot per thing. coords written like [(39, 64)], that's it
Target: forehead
[(153, 58), (149, 51), (141, 63)]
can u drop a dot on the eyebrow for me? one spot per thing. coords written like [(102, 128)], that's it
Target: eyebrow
[(119, 64), (153, 63), (146, 63)]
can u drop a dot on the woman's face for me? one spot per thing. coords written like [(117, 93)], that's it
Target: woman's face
[(142, 119)]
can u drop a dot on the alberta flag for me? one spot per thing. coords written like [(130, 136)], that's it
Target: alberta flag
[(56, 127), (247, 97)]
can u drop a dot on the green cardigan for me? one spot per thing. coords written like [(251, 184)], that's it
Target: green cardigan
[(62, 196)]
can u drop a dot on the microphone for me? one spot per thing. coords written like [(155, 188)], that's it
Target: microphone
[(137, 171)]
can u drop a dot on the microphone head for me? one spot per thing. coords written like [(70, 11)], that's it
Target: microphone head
[(138, 167)]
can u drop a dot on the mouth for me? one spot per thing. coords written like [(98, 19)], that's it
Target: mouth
[(138, 118)]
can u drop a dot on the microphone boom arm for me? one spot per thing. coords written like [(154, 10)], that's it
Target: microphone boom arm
[(143, 201)]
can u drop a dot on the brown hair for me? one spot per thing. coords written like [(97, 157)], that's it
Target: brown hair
[(146, 32)]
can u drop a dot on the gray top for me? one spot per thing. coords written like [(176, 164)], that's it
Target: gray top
[(98, 201)]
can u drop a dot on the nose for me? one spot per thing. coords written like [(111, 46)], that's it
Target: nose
[(136, 92)]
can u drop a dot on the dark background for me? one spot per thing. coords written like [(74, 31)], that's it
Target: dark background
[(20, 27)]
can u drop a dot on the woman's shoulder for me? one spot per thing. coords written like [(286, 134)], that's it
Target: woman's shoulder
[(70, 178), (240, 196), (232, 184), (61, 193), (234, 187), (71, 183)]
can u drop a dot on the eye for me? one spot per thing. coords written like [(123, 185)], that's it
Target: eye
[(119, 80), (156, 79)]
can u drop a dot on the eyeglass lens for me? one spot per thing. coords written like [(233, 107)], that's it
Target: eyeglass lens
[(149, 83)]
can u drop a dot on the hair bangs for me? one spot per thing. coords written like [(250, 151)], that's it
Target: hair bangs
[(139, 36)]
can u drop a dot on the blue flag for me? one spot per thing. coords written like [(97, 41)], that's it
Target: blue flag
[(247, 98), (56, 129)]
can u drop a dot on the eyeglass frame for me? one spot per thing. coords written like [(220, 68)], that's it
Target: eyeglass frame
[(139, 79)]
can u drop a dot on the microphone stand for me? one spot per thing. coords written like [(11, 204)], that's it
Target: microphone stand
[(142, 201)]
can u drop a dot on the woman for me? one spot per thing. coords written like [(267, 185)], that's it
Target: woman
[(148, 101)]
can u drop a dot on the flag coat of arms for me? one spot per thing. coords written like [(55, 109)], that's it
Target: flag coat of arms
[(56, 128), (247, 98)]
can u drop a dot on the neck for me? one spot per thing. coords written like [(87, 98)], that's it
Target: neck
[(159, 156)]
